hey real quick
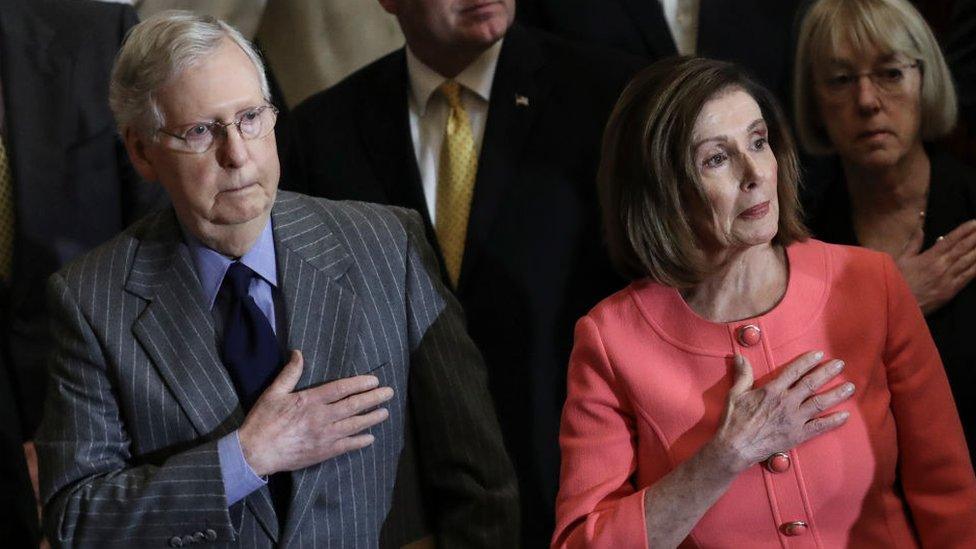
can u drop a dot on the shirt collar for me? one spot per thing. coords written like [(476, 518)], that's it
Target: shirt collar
[(211, 265), (476, 77)]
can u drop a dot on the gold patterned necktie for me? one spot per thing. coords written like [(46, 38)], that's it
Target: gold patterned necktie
[(455, 181), (6, 214)]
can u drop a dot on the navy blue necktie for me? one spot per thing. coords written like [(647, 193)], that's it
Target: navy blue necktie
[(252, 357), (250, 349)]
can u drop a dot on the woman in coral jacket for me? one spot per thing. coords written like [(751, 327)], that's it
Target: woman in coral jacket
[(752, 387)]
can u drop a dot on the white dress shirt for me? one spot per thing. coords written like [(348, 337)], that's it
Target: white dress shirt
[(429, 111), (682, 18)]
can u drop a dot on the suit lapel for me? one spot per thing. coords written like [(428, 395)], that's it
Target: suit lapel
[(385, 127), (517, 95), (176, 331), (321, 313), (386, 133), (36, 77), (648, 17)]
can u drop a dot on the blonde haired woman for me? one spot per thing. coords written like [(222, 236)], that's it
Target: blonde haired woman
[(872, 87)]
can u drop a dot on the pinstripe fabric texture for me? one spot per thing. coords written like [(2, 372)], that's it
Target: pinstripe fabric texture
[(139, 397)]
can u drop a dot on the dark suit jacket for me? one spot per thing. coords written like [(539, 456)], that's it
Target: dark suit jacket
[(73, 189), (139, 397), (952, 201), (73, 184), (759, 35), (533, 260)]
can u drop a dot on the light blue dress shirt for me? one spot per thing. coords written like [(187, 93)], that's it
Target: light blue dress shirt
[(211, 266)]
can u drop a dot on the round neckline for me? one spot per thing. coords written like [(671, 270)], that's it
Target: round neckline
[(786, 258), (667, 313)]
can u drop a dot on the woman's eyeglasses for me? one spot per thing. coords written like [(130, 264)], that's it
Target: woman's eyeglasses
[(888, 79)]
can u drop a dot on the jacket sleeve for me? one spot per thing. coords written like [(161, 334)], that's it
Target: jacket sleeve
[(467, 473), (93, 492), (598, 505), (934, 467)]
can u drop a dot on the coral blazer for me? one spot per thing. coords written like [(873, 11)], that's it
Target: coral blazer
[(648, 383)]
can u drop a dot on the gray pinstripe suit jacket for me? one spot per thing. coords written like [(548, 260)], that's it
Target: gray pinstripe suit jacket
[(139, 396)]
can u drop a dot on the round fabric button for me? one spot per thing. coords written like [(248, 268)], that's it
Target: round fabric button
[(795, 528), (211, 534), (749, 335), (778, 462), (199, 537), (175, 541)]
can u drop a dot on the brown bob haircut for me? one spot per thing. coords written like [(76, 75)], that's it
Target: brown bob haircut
[(648, 181)]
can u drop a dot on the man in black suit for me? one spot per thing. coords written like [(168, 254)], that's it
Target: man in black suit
[(756, 34), (519, 134), (69, 183)]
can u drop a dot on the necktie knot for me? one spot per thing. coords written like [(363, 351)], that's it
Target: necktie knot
[(238, 279), (249, 348), (452, 92)]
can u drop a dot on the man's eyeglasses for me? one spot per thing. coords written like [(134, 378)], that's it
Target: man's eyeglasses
[(252, 123), (889, 80)]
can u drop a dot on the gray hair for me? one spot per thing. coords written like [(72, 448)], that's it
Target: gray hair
[(893, 26), (157, 50)]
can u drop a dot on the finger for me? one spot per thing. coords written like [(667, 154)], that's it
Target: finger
[(290, 373), (964, 278), (963, 246), (350, 444), (795, 370), (960, 248), (942, 247), (914, 243), (743, 378), (955, 244), (821, 425), (962, 263), (355, 424), (812, 382), (962, 232), (967, 237), (820, 403), (339, 389), (357, 403)]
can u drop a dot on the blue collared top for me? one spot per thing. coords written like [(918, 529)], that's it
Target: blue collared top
[(211, 266)]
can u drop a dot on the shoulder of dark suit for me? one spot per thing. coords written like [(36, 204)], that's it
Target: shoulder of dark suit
[(82, 25), (580, 63), (588, 61)]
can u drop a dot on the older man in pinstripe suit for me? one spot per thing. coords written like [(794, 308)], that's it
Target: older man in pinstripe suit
[(253, 367)]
